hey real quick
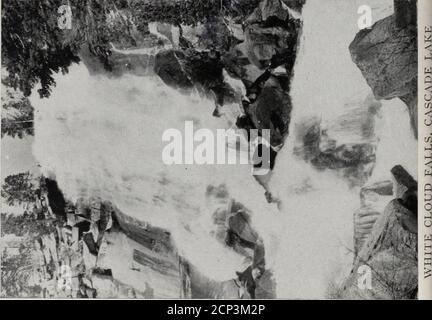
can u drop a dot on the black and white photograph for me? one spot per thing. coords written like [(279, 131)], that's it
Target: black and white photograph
[(216, 149)]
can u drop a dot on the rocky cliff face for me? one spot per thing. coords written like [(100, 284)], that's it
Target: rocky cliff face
[(346, 144), (373, 199), (247, 50), (385, 241), (385, 225), (144, 257), (386, 54), (112, 254), (240, 56), (221, 49)]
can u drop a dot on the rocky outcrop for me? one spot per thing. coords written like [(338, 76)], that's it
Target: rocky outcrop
[(346, 144), (56, 199), (112, 254), (406, 193), (259, 51), (233, 228), (152, 274), (272, 110), (372, 199), (390, 253), (170, 67), (252, 42), (264, 62), (389, 247), (155, 239), (385, 237), (386, 54), (271, 34)]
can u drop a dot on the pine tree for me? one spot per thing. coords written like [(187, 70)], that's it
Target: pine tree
[(33, 46), (19, 188)]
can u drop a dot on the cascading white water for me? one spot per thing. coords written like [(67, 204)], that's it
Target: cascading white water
[(102, 137), (318, 207)]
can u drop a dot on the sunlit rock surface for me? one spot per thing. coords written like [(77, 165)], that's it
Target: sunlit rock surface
[(386, 54), (388, 249)]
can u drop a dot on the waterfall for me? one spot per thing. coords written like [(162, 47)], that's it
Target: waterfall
[(316, 244), (101, 136)]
